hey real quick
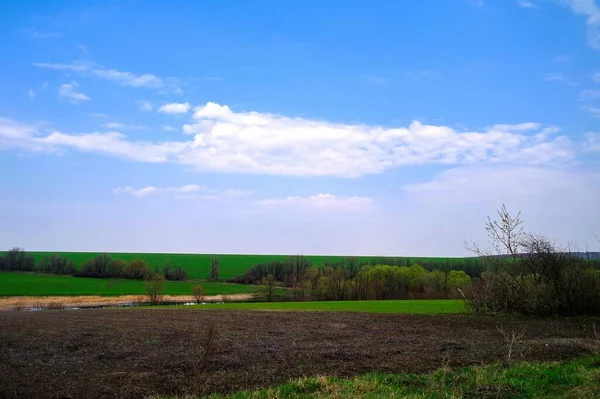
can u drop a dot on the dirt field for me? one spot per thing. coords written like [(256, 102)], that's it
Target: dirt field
[(136, 353)]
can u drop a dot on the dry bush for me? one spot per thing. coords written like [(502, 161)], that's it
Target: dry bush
[(512, 339), (225, 298), (205, 354), (198, 293), (154, 288)]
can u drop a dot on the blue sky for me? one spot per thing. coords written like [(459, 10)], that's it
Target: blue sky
[(390, 128)]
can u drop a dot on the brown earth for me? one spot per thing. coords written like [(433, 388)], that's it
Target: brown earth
[(140, 352)]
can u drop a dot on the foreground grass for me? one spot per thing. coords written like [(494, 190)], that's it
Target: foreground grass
[(198, 265), (31, 284), (575, 379), (439, 306)]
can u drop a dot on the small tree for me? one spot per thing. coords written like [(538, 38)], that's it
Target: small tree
[(214, 270), (198, 293), (154, 288), (268, 287)]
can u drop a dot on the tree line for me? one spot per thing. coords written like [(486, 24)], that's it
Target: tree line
[(102, 266), (348, 279)]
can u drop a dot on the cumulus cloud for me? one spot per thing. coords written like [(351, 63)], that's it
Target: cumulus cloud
[(174, 108), (142, 192), (69, 91), (261, 143), (169, 128), (591, 11), (325, 201)]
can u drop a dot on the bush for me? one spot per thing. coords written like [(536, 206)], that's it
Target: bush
[(56, 264), (138, 270), (176, 274), (17, 259), (154, 288), (198, 293), (529, 274)]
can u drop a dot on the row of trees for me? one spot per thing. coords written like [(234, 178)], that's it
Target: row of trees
[(339, 283), (102, 266)]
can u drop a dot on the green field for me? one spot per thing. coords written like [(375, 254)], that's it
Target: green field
[(574, 379), (437, 306), (31, 284), (198, 265)]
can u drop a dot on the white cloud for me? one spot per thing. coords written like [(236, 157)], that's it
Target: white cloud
[(592, 142), (31, 94), (591, 11), (98, 115), (174, 108), (142, 192), (594, 111), (328, 202), (596, 77), (169, 128), (526, 4), (69, 92), (557, 77), (128, 78), (492, 185), (186, 192), (36, 34), (145, 105), (117, 125), (261, 143), (589, 94), (122, 78)]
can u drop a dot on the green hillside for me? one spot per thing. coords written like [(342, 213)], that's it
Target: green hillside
[(198, 265)]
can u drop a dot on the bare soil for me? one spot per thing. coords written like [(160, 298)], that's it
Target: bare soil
[(112, 353)]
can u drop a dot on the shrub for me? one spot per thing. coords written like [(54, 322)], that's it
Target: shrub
[(138, 270), (56, 264), (176, 274), (529, 274), (17, 259), (154, 288), (198, 293)]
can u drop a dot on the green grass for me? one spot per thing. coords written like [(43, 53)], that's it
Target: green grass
[(19, 284), (198, 265), (575, 379), (438, 306)]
